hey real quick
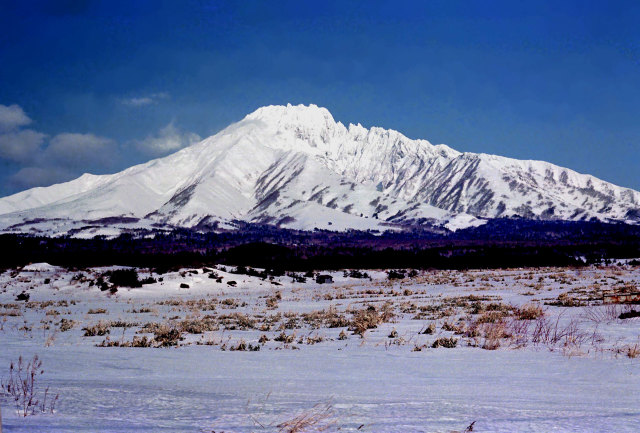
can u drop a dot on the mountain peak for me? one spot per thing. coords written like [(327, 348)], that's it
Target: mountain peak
[(290, 115), (295, 165)]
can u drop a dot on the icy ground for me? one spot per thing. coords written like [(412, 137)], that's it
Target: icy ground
[(389, 379)]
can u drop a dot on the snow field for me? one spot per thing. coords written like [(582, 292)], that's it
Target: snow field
[(378, 382)]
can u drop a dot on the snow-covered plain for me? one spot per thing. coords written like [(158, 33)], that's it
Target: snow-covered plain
[(585, 381)]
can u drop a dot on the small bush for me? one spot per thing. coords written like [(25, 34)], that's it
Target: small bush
[(396, 274), (237, 321), (166, 335), (11, 313), (529, 312), (629, 315), (355, 273), (148, 280), (125, 278), (137, 341), (566, 300), (66, 324), (141, 341), (199, 325), (449, 343), (123, 324), (99, 329), (491, 317), (492, 343), (633, 351), (272, 303), (244, 347), (430, 329), (363, 320), (446, 326), (284, 338)]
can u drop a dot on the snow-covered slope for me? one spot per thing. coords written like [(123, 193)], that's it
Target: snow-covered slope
[(297, 167)]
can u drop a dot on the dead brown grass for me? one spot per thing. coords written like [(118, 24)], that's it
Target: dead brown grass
[(317, 419)]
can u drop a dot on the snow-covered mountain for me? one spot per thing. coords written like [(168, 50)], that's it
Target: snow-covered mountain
[(297, 167)]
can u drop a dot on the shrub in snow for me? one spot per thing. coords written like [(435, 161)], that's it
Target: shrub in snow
[(125, 278), (449, 343), (284, 338), (99, 329), (529, 312), (430, 329), (166, 336), (21, 386), (396, 274), (364, 320), (355, 273)]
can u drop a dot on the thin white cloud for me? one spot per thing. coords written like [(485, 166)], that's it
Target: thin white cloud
[(12, 117), (44, 160), (30, 177), (167, 140), (21, 146), (140, 101), (80, 150)]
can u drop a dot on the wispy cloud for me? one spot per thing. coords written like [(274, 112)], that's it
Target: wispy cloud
[(66, 156), (140, 101), (167, 140), (17, 144), (21, 146), (80, 150), (29, 177), (12, 117), (43, 160)]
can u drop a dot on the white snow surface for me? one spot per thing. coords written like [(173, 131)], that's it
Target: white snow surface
[(280, 163), (372, 384)]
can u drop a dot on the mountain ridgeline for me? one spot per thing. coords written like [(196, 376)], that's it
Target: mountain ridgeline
[(295, 167)]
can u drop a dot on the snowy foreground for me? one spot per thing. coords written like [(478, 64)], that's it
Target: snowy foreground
[(535, 350)]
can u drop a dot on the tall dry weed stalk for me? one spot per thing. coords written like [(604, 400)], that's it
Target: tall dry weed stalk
[(21, 386)]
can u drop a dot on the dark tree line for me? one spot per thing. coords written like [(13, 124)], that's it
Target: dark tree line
[(498, 244)]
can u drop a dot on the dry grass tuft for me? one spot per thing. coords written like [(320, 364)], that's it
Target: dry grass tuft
[(370, 318), (448, 343), (529, 312), (317, 419), (602, 313), (632, 351), (99, 329)]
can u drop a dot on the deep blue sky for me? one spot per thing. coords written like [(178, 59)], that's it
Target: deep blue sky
[(100, 85)]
